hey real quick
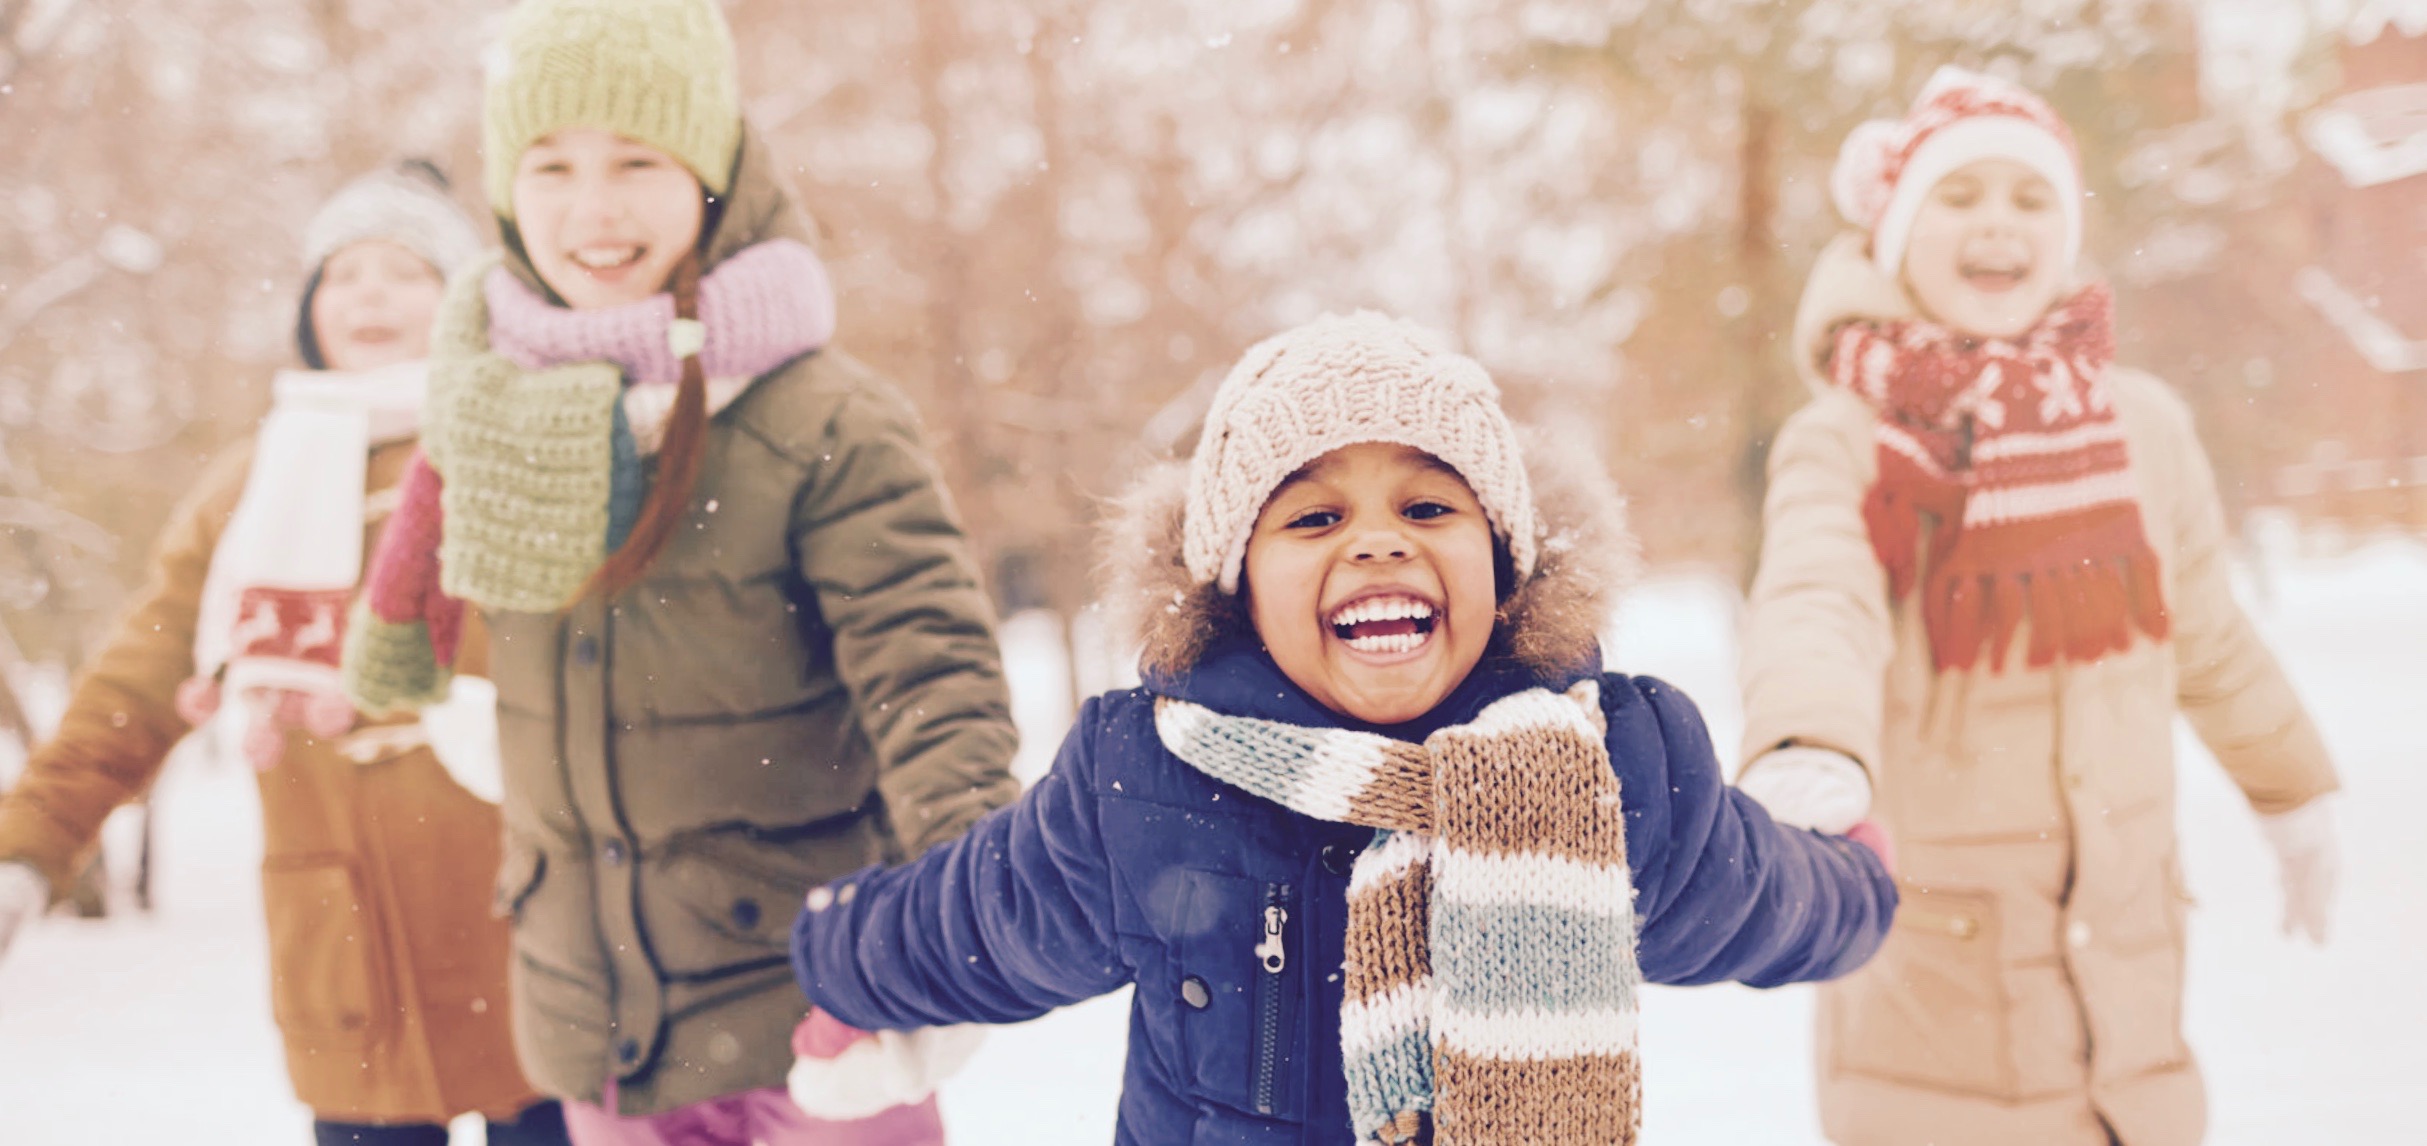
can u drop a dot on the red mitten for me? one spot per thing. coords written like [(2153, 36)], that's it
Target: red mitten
[(1870, 835)]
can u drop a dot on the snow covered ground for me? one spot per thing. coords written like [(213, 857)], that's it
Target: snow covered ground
[(156, 1029)]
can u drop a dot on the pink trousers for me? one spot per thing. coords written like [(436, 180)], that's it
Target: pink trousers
[(752, 1118)]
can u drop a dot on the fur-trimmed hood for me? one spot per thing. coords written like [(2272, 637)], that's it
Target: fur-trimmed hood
[(1551, 622)]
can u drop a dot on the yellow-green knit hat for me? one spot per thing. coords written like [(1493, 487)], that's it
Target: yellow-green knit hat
[(657, 71)]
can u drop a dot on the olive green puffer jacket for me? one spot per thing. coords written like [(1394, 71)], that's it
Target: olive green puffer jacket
[(805, 682)]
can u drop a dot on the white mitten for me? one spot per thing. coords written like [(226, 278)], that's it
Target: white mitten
[(2305, 847), (1806, 787), (24, 895), (843, 1074), (463, 735)]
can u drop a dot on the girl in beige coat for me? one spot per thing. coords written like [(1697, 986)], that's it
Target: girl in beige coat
[(1994, 567)]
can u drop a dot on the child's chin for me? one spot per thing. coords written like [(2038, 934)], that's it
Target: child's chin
[(1393, 696)]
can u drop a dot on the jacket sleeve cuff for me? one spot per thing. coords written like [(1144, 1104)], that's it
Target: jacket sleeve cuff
[(391, 667)]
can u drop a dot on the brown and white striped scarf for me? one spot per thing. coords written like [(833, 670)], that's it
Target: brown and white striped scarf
[(1491, 976)]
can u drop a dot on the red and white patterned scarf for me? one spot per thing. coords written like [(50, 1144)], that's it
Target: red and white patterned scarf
[(2012, 450)]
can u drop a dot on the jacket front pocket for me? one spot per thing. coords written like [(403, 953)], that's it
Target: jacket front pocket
[(1238, 952), (1932, 1008), (327, 972)]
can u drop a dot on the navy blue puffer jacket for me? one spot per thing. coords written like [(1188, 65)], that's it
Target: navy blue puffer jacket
[(1125, 865)]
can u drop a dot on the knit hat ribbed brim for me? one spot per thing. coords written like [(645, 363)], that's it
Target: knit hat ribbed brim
[(661, 72), (408, 205), (1341, 381)]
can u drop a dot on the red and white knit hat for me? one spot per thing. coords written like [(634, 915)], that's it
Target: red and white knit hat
[(1960, 118)]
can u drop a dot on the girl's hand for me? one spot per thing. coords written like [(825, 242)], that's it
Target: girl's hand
[(1870, 835), (841, 1073), (1806, 787)]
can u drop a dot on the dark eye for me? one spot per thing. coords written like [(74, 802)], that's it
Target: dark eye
[(1427, 511), (1958, 194), (2033, 199), (640, 163), (1315, 519)]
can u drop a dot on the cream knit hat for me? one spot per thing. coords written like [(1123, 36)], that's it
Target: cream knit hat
[(657, 71), (1340, 381), (406, 204)]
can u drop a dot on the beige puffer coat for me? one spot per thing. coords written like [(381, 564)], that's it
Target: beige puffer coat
[(2031, 992)]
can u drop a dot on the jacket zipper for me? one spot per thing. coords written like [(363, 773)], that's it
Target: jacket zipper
[(1272, 957)]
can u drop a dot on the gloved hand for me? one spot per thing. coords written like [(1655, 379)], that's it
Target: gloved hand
[(1807, 787), (843, 1074), (24, 895), (2305, 848)]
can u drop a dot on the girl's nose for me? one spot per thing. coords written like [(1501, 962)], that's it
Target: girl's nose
[(1382, 545)]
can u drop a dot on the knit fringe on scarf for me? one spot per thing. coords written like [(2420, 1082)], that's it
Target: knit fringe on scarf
[(2007, 459), (1491, 974)]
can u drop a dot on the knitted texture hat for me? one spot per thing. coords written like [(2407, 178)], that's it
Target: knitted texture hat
[(1340, 381), (406, 204), (1887, 167), (657, 71)]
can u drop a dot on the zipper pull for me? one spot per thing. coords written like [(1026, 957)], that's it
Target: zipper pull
[(1270, 950)]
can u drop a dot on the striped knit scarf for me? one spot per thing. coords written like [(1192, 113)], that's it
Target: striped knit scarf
[(1490, 973), (2013, 451)]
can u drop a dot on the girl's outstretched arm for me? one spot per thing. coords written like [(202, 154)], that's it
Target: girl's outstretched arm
[(1001, 925)]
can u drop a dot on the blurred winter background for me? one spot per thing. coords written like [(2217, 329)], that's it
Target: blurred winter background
[(1055, 222)]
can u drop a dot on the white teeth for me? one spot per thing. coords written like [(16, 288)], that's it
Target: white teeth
[(1383, 609), (603, 260), (1394, 643)]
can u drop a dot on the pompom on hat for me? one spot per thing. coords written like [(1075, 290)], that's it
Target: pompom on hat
[(1887, 167), (1341, 381), (660, 72)]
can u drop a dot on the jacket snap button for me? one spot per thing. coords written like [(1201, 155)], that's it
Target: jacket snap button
[(745, 913), (1195, 993), (613, 850), (1338, 859), (627, 1052), (585, 651)]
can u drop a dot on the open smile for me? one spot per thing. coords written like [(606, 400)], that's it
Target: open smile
[(1994, 276), (607, 263), (1385, 627)]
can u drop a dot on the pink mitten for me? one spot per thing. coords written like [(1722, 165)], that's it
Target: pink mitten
[(198, 700), (823, 1036), (1870, 835)]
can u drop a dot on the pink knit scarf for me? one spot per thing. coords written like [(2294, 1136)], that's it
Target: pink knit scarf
[(764, 306)]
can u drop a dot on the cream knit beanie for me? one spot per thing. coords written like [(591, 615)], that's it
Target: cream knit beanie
[(658, 71), (1340, 381), (406, 204)]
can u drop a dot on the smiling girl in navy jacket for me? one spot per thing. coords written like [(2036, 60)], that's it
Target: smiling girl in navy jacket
[(1383, 849)]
